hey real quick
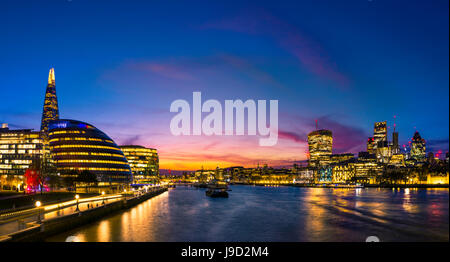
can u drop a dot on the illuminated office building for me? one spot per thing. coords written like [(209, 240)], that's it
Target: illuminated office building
[(371, 145), (366, 171), (367, 157), (343, 173), (50, 111), (324, 175), (379, 132), (144, 162), (383, 152), (78, 146), (19, 149), (418, 148), (304, 176), (320, 143), (337, 158), (397, 160), (395, 145), (381, 147)]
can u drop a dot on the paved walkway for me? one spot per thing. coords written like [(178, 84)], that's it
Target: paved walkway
[(18, 223)]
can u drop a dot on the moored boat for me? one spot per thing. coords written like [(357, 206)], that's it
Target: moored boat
[(216, 192), (217, 189)]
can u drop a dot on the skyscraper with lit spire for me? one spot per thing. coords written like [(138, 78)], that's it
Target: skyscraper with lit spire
[(50, 111)]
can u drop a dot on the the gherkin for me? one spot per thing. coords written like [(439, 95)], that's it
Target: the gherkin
[(50, 111)]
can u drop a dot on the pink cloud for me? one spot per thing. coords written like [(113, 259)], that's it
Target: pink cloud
[(292, 136)]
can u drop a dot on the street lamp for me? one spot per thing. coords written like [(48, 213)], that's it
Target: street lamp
[(77, 197), (38, 205), (103, 194)]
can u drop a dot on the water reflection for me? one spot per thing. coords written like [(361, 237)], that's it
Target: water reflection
[(278, 214), (103, 232)]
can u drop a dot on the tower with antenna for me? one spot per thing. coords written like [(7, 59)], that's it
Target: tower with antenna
[(395, 146)]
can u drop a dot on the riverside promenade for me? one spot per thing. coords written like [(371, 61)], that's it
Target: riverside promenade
[(36, 223)]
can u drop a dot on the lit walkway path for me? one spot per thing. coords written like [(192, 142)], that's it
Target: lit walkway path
[(18, 223)]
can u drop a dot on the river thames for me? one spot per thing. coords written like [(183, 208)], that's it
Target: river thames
[(255, 213)]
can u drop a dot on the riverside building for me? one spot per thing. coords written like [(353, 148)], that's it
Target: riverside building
[(19, 149), (144, 163), (78, 146)]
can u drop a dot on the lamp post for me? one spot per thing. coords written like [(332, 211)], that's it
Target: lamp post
[(38, 205), (77, 197), (103, 194)]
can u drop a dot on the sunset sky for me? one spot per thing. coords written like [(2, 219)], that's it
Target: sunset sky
[(120, 64)]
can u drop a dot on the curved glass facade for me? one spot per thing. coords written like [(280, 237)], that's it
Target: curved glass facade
[(76, 145)]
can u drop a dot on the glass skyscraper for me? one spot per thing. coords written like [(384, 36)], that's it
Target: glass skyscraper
[(50, 111), (418, 148)]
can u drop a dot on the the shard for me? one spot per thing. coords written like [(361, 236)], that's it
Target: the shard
[(50, 111)]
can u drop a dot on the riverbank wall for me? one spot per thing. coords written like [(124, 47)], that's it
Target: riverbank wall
[(36, 232)]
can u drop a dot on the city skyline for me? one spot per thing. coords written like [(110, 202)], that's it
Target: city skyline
[(303, 70)]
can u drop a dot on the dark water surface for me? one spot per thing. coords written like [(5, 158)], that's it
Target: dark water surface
[(254, 213)]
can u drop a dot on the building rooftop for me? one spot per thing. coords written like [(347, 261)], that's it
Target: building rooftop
[(323, 132)]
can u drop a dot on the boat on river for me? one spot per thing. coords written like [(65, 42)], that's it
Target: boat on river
[(216, 193), (217, 189)]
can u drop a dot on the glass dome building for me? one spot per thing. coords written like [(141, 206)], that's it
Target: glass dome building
[(75, 145)]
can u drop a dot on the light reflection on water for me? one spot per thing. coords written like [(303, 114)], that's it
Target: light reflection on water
[(278, 214)]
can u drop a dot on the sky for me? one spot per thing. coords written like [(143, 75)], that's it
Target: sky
[(120, 64)]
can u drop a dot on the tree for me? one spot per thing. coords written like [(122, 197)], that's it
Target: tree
[(396, 174)]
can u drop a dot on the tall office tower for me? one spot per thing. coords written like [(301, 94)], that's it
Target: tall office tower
[(50, 111), (395, 146), (380, 132), (370, 145), (381, 146), (418, 148), (320, 144)]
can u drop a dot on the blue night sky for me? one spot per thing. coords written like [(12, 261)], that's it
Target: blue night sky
[(120, 64)]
